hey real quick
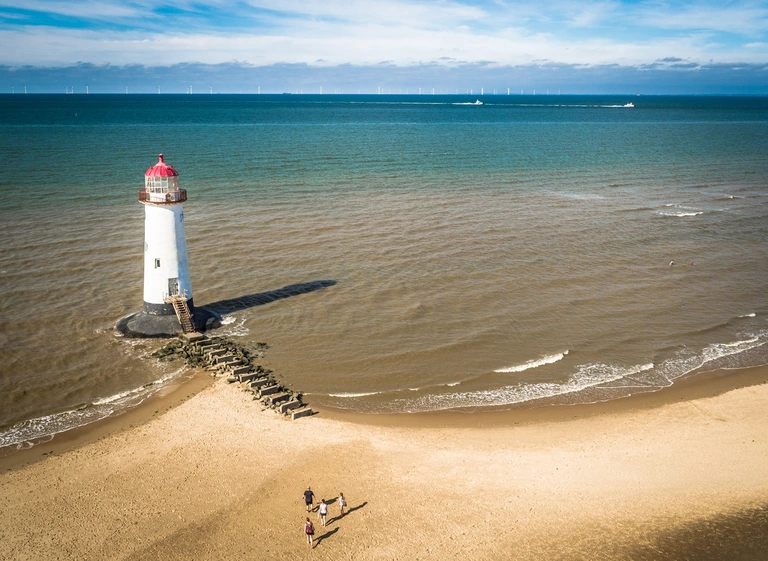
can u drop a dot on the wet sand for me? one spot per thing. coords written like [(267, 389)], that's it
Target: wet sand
[(680, 474)]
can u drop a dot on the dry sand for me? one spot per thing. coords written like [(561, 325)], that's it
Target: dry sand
[(215, 477)]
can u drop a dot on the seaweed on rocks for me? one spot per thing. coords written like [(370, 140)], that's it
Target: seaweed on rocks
[(223, 357)]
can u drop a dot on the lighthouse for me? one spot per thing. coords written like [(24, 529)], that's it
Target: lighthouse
[(168, 305)]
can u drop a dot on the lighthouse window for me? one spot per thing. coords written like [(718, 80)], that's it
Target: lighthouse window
[(157, 263)]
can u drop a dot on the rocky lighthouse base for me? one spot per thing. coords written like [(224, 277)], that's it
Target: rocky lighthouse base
[(143, 324)]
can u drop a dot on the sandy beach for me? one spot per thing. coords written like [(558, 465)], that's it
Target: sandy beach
[(208, 474)]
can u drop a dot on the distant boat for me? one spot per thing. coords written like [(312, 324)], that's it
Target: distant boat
[(630, 104), (477, 102)]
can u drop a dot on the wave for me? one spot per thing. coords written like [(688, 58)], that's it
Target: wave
[(232, 326), (681, 213), (712, 356), (26, 434), (586, 376), (587, 384), (682, 210), (548, 359), (635, 209), (568, 105), (350, 394)]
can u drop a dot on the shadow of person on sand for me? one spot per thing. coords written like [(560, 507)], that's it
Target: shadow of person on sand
[(358, 507), (350, 511), (328, 534), (251, 300)]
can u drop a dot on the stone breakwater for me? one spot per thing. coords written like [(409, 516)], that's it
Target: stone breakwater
[(222, 357)]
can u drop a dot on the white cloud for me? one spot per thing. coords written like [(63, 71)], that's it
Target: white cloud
[(384, 12), (78, 8), (746, 19), (402, 31), (358, 44)]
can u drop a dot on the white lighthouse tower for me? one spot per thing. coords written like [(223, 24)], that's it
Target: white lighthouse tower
[(166, 267), (168, 306)]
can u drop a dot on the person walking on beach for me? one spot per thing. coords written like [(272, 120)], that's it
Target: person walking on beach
[(309, 499), (323, 510), (309, 531), (342, 504)]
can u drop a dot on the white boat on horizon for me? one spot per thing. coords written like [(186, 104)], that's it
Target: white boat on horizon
[(630, 104), (477, 102)]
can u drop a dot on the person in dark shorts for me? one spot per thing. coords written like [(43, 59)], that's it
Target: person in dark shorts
[(323, 511), (309, 498), (309, 531)]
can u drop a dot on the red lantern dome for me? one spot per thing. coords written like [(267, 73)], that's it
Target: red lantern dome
[(161, 169), (161, 185)]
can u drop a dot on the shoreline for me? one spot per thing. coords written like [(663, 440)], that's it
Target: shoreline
[(691, 387), (212, 475), (164, 400)]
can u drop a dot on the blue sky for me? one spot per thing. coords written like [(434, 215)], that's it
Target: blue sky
[(385, 45)]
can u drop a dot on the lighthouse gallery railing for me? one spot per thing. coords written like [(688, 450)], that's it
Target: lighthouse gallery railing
[(163, 198)]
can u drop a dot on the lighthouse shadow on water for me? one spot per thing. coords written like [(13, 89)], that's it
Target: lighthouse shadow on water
[(230, 305), (168, 304)]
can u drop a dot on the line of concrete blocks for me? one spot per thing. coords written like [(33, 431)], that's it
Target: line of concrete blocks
[(270, 394), (258, 383), (230, 364), (274, 399), (299, 413), (201, 344), (214, 352), (294, 406), (193, 337), (269, 390), (221, 360), (289, 405), (262, 386)]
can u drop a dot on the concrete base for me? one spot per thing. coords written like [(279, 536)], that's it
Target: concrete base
[(142, 324)]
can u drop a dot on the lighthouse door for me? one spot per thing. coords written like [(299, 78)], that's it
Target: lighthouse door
[(173, 287)]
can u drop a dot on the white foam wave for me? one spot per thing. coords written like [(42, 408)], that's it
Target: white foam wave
[(26, 433), (681, 214), (117, 396), (687, 362), (347, 394), (586, 376), (141, 389), (548, 359), (232, 326), (737, 343)]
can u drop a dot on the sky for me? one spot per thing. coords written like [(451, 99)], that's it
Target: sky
[(384, 46)]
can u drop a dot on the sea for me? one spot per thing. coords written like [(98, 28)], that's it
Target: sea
[(398, 253)]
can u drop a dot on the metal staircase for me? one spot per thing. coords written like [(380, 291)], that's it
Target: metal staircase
[(182, 312)]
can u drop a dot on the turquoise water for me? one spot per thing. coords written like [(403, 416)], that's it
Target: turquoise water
[(499, 255)]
